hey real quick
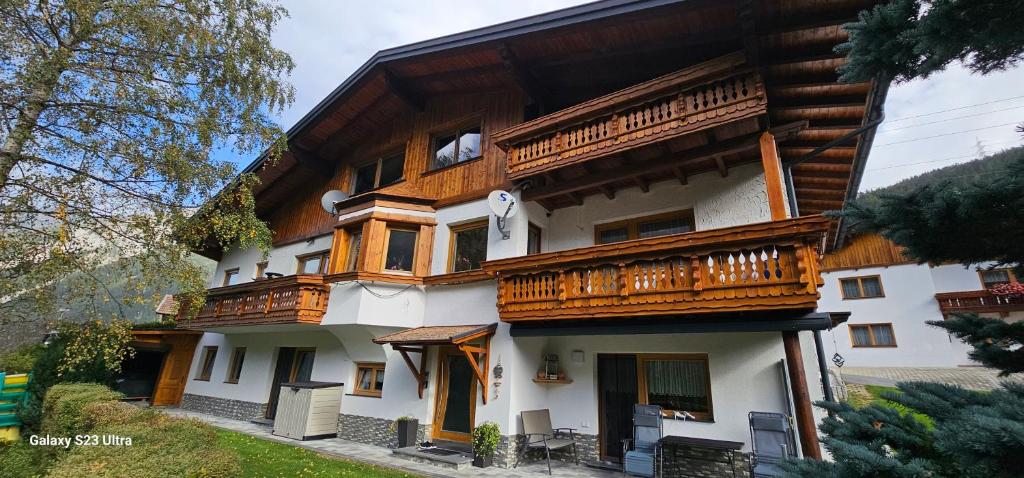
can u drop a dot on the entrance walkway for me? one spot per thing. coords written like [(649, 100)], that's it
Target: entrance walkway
[(376, 455), (976, 378)]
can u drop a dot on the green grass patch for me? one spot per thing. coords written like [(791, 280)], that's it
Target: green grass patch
[(862, 396), (265, 459)]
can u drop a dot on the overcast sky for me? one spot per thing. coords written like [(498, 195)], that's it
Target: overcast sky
[(329, 39)]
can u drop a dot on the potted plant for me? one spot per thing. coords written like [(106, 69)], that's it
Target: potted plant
[(485, 442), (406, 427)]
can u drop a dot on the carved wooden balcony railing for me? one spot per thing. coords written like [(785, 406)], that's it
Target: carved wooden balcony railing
[(977, 302), (766, 266), (297, 299), (697, 98)]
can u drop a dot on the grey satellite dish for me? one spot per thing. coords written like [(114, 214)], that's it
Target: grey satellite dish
[(504, 206), (331, 199)]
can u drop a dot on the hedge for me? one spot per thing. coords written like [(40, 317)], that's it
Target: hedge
[(64, 407), (21, 360)]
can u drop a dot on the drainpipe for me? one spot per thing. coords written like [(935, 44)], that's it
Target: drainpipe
[(823, 368)]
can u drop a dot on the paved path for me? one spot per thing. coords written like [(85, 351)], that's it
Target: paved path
[(376, 455), (976, 378)]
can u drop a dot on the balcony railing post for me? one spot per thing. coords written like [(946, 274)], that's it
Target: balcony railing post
[(270, 301), (558, 144), (698, 284), (561, 285), (623, 280)]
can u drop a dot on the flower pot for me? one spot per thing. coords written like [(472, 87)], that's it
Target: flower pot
[(407, 432), (483, 461)]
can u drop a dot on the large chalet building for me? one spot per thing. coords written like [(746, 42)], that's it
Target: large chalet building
[(670, 161)]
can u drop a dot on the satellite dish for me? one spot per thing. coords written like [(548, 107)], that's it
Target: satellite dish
[(332, 198), (504, 206)]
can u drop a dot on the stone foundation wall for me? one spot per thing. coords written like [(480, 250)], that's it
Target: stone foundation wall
[(223, 407), (694, 462), (510, 446), (374, 431)]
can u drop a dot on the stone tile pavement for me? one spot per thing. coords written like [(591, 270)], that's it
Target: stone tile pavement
[(976, 378), (375, 455)]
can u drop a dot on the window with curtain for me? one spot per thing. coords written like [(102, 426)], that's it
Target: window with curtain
[(677, 383), (369, 379), (872, 335), (861, 287), (643, 227), (994, 277)]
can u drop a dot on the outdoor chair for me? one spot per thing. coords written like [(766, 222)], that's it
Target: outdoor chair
[(540, 436), (772, 441), (638, 453)]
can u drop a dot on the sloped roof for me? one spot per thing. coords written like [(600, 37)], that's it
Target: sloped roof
[(447, 334)]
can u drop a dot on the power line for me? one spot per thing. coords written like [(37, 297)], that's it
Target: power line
[(946, 134), (904, 118), (886, 130)]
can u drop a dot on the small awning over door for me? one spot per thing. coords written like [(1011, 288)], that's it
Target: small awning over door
[(473, 340)]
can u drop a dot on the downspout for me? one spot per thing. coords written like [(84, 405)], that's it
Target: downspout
[(826, 384)]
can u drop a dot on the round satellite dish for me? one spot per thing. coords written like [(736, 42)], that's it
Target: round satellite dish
[(502, 204), (331, 198)]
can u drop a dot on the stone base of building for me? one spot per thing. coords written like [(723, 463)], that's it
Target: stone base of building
[(374, 431), (510, 446), (704, 463), (223, 407)]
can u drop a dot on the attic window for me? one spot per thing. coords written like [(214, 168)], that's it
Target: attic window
[(381, 172), (456, 147)]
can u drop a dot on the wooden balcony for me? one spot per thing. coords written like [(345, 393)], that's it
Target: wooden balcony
[(977, 302), (766, 266), (697, 98), (297, 299)]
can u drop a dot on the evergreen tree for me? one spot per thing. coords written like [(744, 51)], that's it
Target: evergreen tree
[(906, 39)]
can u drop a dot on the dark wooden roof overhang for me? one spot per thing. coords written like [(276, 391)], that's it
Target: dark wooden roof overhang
[(774, 321), (564, 57), (472, 340)]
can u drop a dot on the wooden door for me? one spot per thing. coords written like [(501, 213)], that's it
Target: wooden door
[(282, 373), (455, 405), (617, 393), (170, 386)]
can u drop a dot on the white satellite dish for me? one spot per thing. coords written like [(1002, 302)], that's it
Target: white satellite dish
[(332, 198), (504, 206)]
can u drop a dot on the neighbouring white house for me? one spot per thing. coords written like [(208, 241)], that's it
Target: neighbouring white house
[(890, 298), (665, 246)]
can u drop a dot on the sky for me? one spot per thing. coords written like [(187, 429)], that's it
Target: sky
[(955, 110)]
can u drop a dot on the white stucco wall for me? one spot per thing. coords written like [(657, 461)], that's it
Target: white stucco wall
[(956, 278)]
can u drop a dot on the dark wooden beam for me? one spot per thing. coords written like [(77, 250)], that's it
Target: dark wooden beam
[(642, 183), (523, 78), (576, 198), (680, 174), (608, 191), (310, 160), (402, 90), (722, 168), (748, 31)]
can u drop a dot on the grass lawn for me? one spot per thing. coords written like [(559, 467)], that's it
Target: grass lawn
[(261, 458), (864, 395)]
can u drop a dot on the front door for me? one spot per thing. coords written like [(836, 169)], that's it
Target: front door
[(282, 373), (456, 401), (617, 393)]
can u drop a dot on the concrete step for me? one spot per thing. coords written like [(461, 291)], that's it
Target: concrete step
[(266, 422), (437, 456)]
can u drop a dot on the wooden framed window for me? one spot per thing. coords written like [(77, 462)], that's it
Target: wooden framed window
[(866, 287), (206, 364), (676, 382), (369, 379), (355, 243), (231, 277), (676, 222), (467, 247), (399, 250), (379, 173), (314, 263), (533, 238), (454, 147), (235, 366), (872, 335), (302, 365), (261, 269), (993, 277)]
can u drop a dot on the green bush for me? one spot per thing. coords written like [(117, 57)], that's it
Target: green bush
[(99, 414), (21, 360), (20, 460), (161, 446), (485, 438), (64, 409)]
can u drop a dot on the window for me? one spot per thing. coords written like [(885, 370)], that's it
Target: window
[(994, 277), (206, 365), (532, 239), (355, 240), (315, 263), (651, 226), (381, 172), (861, 287), (468, 246), (400, 247), (456, 147), (369, 379), (677, 383), (235, 367), (261, 270), (231, 276), (872, 335), (302, 365)]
